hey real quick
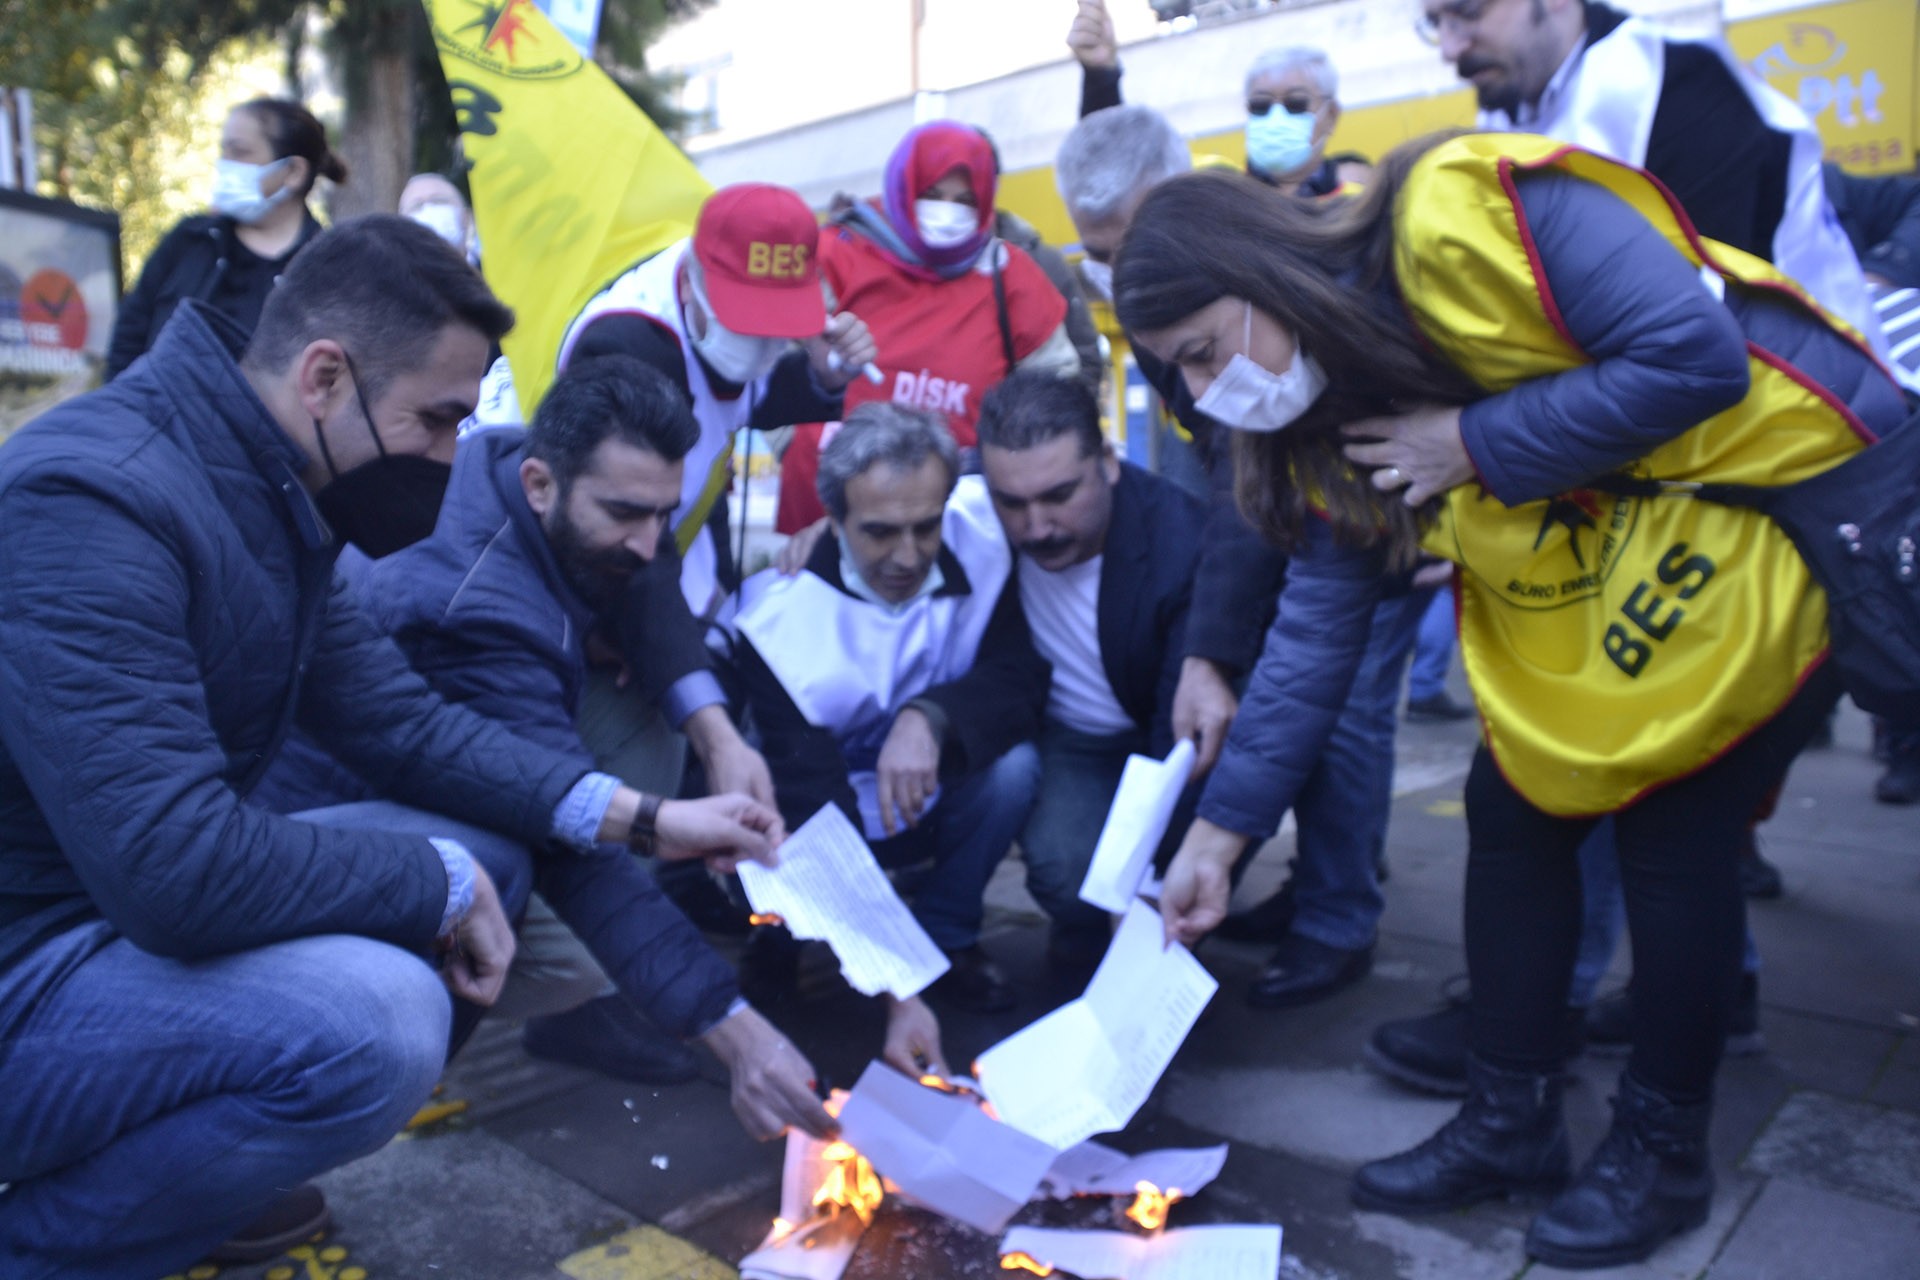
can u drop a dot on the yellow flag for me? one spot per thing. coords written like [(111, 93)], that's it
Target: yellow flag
[(572, 184)]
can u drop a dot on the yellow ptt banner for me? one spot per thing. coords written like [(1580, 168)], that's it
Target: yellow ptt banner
[(571, 183), (1851, 68)]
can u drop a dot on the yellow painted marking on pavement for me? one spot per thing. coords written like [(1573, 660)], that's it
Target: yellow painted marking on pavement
[(201, 1272), (317, 1264), (1447, 809), (646, 1253), (434, 1112)]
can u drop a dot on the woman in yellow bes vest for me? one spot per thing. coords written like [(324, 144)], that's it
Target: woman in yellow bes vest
[(1455, 363)]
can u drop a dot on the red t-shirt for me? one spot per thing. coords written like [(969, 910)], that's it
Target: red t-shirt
[(939, 340)]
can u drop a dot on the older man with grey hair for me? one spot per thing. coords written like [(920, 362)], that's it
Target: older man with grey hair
[(1293, 103), (895, 677)]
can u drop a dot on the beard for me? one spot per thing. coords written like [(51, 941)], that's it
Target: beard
[(598, 576), (1500, 94)]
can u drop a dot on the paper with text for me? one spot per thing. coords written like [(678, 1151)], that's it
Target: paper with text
[(1136, 823), (1087, 1067), (1095, 1169), (941, 1149), (1192, 1253), (829, 887)]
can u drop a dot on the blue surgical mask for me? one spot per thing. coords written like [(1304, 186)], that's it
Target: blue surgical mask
[(236, 189), (1280, 142)]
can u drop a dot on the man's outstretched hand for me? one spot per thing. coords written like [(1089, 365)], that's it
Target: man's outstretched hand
[(773, 1085)]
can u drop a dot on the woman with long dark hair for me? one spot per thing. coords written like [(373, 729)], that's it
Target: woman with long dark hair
[(1470, 361), (271, 153)]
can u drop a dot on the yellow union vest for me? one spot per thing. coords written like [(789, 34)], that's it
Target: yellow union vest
[(1613, 643)]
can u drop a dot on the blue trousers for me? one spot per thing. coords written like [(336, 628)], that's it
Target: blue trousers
[(1080, 773), (1342, 809), (958, 845), (1433, 648), (154, 1106)]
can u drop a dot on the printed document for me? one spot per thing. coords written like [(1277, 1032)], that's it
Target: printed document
[(1087, 1067), (1136, 823), (829, 887)]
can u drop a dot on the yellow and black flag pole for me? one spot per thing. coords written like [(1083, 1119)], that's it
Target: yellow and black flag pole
[(571, 183)]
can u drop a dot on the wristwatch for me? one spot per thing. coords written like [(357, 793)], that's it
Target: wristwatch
[(642, 834)]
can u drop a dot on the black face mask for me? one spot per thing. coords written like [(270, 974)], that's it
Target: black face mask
[(385, 503)]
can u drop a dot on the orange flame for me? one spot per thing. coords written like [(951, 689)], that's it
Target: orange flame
[(850, 1182), (759, 917), (1150, 1205), (1019, 1261)]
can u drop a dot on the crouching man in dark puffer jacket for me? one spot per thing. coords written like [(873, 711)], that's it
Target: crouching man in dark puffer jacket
[(202, 1002)]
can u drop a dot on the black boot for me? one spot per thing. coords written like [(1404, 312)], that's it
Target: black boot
[(1429, 1053), (1649, 1179), (1508, 1138)]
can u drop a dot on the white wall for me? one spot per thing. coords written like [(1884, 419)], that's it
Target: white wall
[(1195, 76)]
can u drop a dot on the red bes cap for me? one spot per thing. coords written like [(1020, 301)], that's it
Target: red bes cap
[(756, 244)]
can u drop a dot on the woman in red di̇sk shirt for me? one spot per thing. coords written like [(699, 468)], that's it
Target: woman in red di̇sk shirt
[(920, 265)]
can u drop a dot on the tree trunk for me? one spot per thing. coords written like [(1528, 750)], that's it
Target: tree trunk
[(376, 138)]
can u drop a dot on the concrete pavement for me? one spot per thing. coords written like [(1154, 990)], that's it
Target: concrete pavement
[(551, 1172)]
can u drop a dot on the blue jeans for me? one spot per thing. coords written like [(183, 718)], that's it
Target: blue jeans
[(965, 837), (1604, 916), (153, 1106), (1343, 806), (1079, 773), (1433, 648)]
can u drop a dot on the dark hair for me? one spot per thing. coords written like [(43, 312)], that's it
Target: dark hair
[(292, 130), (1348, 157), (382, 286), (610, 397), (1316, 268), (1030, 408)]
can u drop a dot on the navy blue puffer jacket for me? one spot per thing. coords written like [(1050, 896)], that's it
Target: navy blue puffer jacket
[(168, 610)]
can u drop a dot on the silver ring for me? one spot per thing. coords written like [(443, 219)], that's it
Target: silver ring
[(1393, 475)]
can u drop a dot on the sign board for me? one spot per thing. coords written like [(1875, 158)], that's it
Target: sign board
[(59, 296), (1850, 66)]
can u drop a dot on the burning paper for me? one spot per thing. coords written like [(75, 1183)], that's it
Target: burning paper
[(1142, 807), (942, 1149), (829, 887), (827, 1197), (1087, 1067), (1093, 1169), (1195, 1253)]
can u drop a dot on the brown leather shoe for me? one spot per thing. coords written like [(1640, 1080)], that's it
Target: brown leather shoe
[(294, 1218)]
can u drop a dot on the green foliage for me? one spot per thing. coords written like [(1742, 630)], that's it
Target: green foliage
[(128, 94)]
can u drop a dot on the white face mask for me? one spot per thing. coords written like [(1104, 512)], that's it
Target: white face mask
[(944, 224), (737, 357), (236, 189), (1249, 398), (444, 221), (1099, 278)]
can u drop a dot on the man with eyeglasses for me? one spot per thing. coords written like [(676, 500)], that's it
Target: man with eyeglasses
[(1292, 103), (1742, 160)]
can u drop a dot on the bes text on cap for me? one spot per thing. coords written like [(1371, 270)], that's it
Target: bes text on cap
[(756, 244)]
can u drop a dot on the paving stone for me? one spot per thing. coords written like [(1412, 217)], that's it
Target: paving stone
[(1686, 1256), (1796, 1232), (1855, 1148), (459, 1203)]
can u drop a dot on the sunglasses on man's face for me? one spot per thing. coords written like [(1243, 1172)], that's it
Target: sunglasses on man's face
[(1294, 104)]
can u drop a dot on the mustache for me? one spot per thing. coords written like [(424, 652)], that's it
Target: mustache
[(1045, 547), (1471, 65)]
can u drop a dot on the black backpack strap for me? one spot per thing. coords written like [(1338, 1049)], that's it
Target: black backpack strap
[(1000, 306), (1756, 497)]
